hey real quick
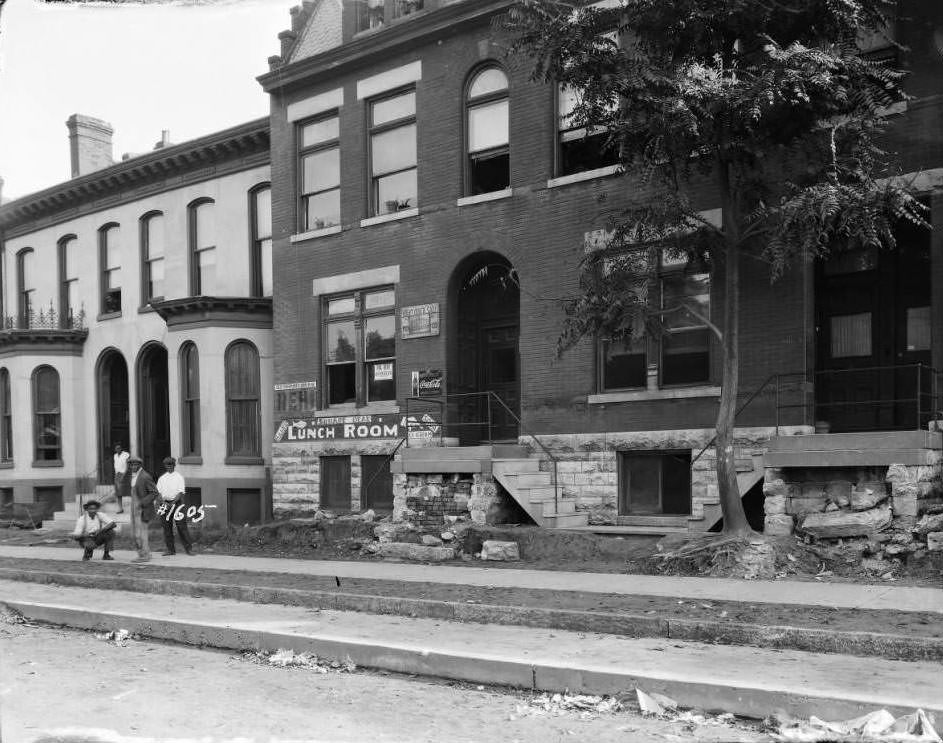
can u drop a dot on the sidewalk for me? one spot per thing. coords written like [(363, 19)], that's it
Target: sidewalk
[(744, 680), (811, 593)]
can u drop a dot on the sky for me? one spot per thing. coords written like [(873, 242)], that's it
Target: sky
[(187, 66)]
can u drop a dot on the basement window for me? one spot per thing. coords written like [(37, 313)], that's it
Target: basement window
[(655, 483)]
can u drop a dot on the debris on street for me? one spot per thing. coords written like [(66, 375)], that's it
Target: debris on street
[(655, 704), (555, 705), (875, 727), (120, 637), (287, 658)]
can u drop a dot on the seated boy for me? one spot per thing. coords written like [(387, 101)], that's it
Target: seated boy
[(94, 529)]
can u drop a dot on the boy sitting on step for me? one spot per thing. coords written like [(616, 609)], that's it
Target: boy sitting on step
[(93, 529)]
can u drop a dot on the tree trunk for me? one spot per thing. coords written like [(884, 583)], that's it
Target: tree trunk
[(735, 519)]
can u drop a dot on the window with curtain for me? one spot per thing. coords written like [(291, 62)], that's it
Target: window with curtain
[(68, 280), (486, 130), (47, 418), (243, 401), (203, 278), (6, 418), (320, 169), (393, 184), (190, 392), (25, 288), (261, 200), (153, 247), (110, 258)]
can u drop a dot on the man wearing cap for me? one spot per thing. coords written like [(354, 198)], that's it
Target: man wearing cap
[(94, 529), (143, 494), (172, 510)]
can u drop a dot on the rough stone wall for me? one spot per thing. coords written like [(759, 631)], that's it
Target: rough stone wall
[(435, 500)]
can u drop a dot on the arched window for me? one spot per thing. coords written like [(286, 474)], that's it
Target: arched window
[(242, 401), (190, 398), (68, 280), (6, 418), (260, 202), (25, 288), (47, 417), (109, 256), (486, 132), (202, 219), (152, 257)]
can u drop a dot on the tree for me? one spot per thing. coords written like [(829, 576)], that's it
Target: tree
[(768, 106)]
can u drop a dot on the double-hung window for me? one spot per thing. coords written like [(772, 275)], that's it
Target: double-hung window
[(109, 251), (69, 280), (393, 184), (47, 424), (152, 257), (6, 418), (261, 226), (320, 153), (374, 14), (190, 399), (486, 130), (580, 147), (360, 347), (243, 402), (202, 248), (25, 288)]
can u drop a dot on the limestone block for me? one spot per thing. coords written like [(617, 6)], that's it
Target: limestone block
[(813, 490), (929, 523), (391, 532), (900, 473), (865, 499), (772, 488), (905, 505), (778, 525), (935, 541), (492, 549), (431, 541), (846, 523), (876, 565), (418, 552), (801, 506), (774, 504), (895, 550)]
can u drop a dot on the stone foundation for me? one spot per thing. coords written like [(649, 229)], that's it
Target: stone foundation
[(435, 501)]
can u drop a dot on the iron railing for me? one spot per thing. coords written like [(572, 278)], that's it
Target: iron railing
[(45, 319)]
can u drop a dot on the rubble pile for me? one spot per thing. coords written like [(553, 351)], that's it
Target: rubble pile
[(584, 705), (875, 727), (287, 658)]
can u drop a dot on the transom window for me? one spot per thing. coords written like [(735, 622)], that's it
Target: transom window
[(153, 247), (488, 164), (320, 168), (203, 278), (110, 257), (393, 184), (360, 347)]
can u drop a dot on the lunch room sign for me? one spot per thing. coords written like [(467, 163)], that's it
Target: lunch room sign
[(356, 427)]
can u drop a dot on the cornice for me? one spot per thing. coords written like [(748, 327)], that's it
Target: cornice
[(42, 342), (230, 150), (193, 312), (400, 36)]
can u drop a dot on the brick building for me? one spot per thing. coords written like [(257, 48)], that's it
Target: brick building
[(136, 307), (431, 204)]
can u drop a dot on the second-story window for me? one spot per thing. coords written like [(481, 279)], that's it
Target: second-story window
[(152, 257), (68, 280), (109, 251), (261, 227), (320, 172), (580, 148), (202, 248), (25, 288), (393, 184), (488, 165)]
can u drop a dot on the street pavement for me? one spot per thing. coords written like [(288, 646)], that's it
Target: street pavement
[(804, 593)]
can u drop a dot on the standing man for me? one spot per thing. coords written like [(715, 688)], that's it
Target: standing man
[(172, 488), (143, 495), (122, 484), (94, 529)]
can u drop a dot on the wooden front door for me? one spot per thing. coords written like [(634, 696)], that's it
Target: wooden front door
[(114, 404), (155, 410), (873, 330), (335, 483), (498, 354)]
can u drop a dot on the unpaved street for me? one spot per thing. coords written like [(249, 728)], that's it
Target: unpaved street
[(52, 680)]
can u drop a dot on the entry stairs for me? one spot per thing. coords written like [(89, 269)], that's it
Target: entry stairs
[(67, 517), (526, 477)]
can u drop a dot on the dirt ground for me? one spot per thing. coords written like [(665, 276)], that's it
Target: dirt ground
[(66, 686)]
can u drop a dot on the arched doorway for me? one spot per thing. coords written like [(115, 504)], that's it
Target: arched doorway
[(483, 351), (153, 407), (113, 410)]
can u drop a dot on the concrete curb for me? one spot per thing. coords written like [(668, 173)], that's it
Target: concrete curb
[(867, 644), (747, 700)]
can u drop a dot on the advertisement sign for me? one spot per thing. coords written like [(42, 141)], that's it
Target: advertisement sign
[(383, 372), (296, 397), (419, 321), (427, 383), (357, 428)]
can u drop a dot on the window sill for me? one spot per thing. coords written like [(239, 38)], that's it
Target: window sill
[(108, 315), (244, 460), (586, 175), (190, 459), (671, 393), (483, 197), (312, 234), (392, 217), (40, 463)]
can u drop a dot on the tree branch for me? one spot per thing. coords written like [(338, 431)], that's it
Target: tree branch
[(695, 314)]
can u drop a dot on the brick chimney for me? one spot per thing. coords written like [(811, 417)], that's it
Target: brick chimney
[(89, 144), (164, 140)]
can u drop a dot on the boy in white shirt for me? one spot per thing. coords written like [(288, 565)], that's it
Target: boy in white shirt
[(93, 529)]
